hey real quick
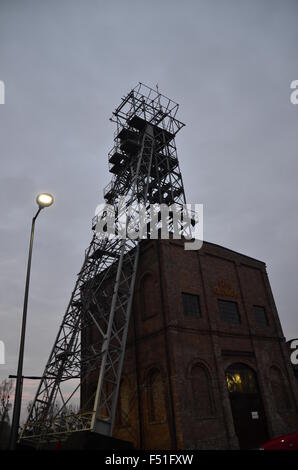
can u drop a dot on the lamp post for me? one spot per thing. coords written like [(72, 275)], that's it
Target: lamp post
[(43, 200)]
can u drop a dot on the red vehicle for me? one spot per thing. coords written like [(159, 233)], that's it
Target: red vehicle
[(286, 442)]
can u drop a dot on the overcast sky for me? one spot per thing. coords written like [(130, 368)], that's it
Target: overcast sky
[(66, 65)]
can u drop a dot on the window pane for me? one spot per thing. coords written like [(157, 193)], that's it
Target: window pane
[(228, 311), (241, 379), (191, 305), (260, 316)]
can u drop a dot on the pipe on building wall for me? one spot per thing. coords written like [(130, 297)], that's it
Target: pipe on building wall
[(139, 391), (173, 427)]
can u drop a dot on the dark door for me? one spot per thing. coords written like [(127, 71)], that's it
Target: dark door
[(247, 408)]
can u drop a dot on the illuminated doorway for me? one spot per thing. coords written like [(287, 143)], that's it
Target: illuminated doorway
[(247, 407)]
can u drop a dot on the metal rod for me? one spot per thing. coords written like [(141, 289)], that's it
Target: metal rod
[(19, 384), (29, 377)]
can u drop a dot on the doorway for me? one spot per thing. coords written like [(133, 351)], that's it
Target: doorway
[(247, 406)]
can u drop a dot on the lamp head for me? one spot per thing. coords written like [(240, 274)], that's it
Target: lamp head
[(44, 200)]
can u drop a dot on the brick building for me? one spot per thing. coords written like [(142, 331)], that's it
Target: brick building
[(206, 364)]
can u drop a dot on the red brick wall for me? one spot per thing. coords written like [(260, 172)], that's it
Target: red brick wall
[(167, 340)]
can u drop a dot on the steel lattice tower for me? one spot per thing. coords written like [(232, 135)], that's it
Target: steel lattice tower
[(145, 170)]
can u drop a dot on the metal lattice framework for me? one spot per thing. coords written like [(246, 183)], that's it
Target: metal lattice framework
[(91, 341)]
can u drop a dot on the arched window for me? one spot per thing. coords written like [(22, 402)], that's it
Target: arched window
[(148, 296), (122, 413), (279, 391), (156, 397), (203, 404), (241, 379)]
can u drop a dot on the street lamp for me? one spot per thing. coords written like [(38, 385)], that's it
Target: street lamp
[(43, 200)]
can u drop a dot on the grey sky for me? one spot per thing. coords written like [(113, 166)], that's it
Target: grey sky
[(66, 64)]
